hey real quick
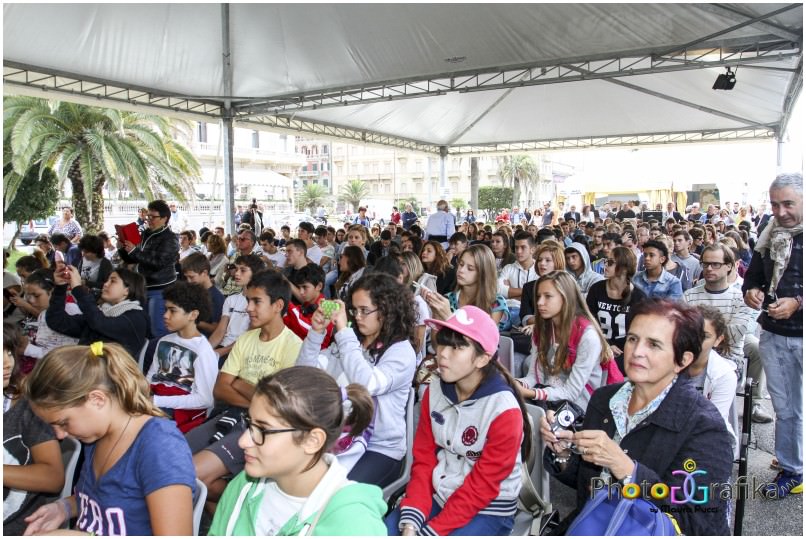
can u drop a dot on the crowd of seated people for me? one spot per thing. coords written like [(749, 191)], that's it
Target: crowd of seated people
[(276, 369)]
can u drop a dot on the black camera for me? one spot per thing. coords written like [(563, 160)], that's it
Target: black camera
[(564, 418)]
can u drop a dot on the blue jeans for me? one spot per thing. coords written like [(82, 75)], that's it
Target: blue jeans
[(783, 364), (330, 279), (515, 316), (375, 469), (480, 525), (156, 310)]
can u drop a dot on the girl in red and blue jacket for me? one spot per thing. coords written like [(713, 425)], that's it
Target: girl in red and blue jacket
[(472, 436)]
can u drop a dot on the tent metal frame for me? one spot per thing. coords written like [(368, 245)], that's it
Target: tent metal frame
[(280, 112)]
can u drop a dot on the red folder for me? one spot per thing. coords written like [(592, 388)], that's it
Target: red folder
[(128, 232)]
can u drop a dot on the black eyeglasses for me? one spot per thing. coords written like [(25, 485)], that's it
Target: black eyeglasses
[(258, 434), (363, 312), (610, 262), (153, 216), (715, 265)]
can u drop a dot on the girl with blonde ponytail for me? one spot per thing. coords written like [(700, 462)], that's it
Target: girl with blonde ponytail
[(138, 476)]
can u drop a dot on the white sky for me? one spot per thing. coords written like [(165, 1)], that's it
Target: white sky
[(730, 165)]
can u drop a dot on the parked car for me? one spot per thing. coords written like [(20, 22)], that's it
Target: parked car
[(293, 220), (36, 227)]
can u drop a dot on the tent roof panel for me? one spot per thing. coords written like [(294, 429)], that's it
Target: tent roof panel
[(281, 50)]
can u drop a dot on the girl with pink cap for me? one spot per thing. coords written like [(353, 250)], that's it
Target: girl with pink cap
[(471, 439)]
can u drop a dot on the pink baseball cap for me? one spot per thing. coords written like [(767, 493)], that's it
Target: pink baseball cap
[(473, 323)]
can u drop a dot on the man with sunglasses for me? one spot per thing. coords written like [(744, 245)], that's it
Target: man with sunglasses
[(715, 291), (155, 258)]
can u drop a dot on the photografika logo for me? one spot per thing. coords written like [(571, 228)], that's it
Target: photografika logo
[(693, 488)]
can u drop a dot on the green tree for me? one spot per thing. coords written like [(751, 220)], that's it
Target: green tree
[(415, 204), (353, 193), (34, 196), (514, 170), (474, 184), (94, 148), (458, 203), (493, 199), (313, 196)]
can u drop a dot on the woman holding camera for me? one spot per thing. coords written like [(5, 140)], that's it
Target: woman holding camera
[(645, 431)]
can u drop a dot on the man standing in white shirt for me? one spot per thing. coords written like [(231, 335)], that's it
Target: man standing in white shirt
[(441, 225)]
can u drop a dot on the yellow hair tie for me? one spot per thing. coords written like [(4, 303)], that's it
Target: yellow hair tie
[(97, 348)]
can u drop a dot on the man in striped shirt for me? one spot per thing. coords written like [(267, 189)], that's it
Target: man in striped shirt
[(717, 262)]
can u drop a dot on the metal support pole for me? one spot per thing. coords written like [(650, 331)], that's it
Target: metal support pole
[(229, 174), (226, 124), (443, 173)]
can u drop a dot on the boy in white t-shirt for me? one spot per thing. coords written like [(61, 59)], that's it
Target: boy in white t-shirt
[(271, 253), (184, 367), (234, 319)]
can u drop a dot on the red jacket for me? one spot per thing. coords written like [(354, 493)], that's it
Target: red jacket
[(298, 319)]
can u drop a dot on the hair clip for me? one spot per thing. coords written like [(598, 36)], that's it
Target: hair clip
[(346, 404), (97, 348)]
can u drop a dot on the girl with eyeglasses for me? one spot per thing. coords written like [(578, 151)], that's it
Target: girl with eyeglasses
[(373, 332), (611, 301), (138, 476), (290, 485)]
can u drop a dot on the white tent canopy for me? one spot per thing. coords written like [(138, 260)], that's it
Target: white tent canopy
[(448, 78), (469, 77)]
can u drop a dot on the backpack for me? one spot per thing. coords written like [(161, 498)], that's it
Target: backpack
[(609, 369)]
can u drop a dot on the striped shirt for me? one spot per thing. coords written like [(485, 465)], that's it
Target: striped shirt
[(740, 318)]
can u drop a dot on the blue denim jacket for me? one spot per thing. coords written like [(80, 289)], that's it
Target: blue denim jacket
[(667, 287)]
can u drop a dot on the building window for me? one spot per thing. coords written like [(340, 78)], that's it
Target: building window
[(324, 149), (315, 150), (255, 139), (374, 187), (315, 167), (325, 182), (403, 187), (387, 187), (202, 131)]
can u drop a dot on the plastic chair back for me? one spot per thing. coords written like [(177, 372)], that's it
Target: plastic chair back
[(71, 450), (400, 483), (198, 505)]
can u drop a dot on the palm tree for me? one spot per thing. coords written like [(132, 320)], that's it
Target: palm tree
[(353, 192), (312, 197), (94, 147), (515, 169)]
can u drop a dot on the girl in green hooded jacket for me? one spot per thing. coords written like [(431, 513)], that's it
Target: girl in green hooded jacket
[(290, 485)]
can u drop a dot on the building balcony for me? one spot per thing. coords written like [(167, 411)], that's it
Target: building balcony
[(207, 150)]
